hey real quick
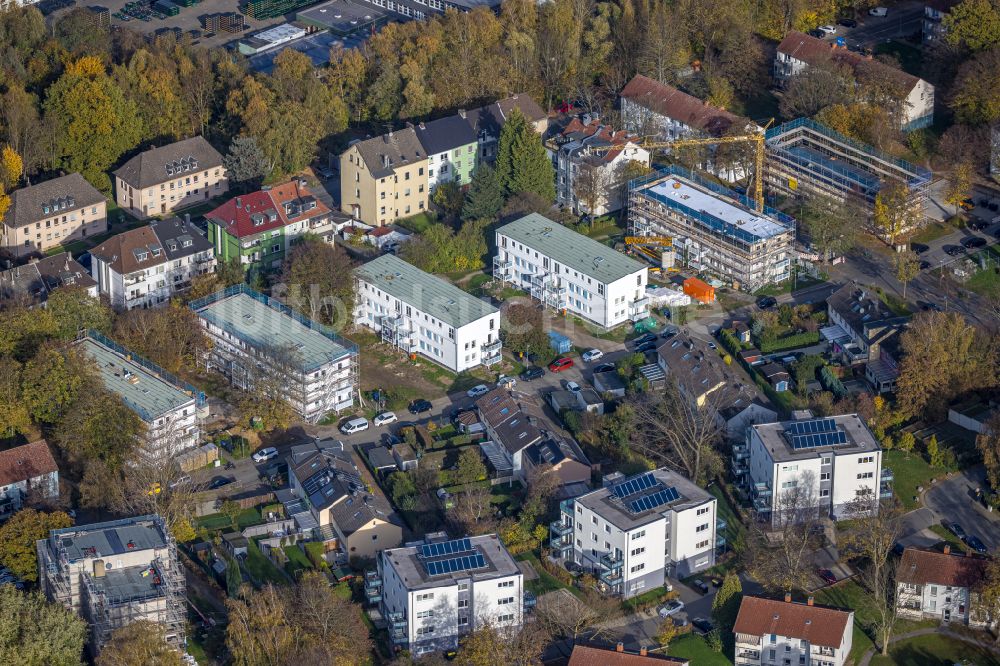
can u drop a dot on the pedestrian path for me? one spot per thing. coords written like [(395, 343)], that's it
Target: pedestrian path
[(942, 631)]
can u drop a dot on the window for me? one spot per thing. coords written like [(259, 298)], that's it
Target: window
[(866, 459), (638, 535), (701, 545), (824, 493), (866, 475), (505, 601), (506, 618), (463, 603), (824, 476), (703, 510), (423, 631), (506, 583), (427, 596), (638, 551), (425, 613), (638, 567), (701, 528), (462, 621)]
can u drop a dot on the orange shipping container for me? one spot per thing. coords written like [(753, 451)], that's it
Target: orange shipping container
[(698, 290)]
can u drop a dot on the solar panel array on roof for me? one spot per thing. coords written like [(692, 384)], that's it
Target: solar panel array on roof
[(446, 548), (811, 427), (455, 564), (819, 439), (659, 498), (635, 484)]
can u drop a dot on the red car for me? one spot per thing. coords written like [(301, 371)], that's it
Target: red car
[(828, 576), (560, 364)]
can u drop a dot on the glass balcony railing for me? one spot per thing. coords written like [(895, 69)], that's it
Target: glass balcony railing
[(612, 561)]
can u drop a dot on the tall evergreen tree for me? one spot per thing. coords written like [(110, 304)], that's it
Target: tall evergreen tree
[(484, 198), (522, 164)]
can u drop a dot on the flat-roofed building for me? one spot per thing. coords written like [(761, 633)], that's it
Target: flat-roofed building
[(422, 314), (713, 229), (435, 591), (635, 532), (53, 213), (568, 271), (114, 573), (772, 631), (253, 334), (167, 406)]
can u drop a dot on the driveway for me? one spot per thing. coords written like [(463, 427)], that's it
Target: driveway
[(953, 500), (902, 20)]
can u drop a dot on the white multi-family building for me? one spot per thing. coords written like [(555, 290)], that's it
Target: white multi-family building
[(168, 407), (435, 591), (822, 463), (636, 532), (943, 586), (146, 267), (253, 337), (422, 314), (571, 272), (772, 632)]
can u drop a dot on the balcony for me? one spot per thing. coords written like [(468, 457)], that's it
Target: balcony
[(612, 561), (560, 528), (887, 476), (491, 347), (641, 305), (721, 525), (739, 468), (740, 452), (490, 359), (398, 627), (611, 578)]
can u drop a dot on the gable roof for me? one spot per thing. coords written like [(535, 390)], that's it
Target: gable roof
[(179, 238), (248, 214), (154, 166), (497, 406), (923, 567), (591, 655), (680, 106), (577, 135), (489, 119), (812, 50), (820, 625), (26, 462), (124, 252), (296, 201), (444, 134), (35, 281), (383, 154), (70, 192)]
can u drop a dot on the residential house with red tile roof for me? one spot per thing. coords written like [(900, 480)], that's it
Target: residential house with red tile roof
[(591, 161), (772, 631), (799, 51), (593, 655), (941, 585), (27, 472), (258, 228)]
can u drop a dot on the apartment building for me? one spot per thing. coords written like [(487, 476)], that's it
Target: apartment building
[(28, 474), (384, 179), (941, 585), (433, 592), (32, 283), (488, 120), (257, 229), (451, 146), (355, 521), (254, 336), (162, 180), (635, 532), (114, 573), (599, 655), (147, 266), (423, 314), (591, 162), (570, 272), (823, 464), (53, 213), (799, 51), (772, 632), (714, 230)]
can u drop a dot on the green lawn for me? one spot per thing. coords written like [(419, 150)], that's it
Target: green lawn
[(956, 544), (935, 650), (910, 470), (261, 568), (217, 521), (931, 232), (694, 648), (545, 582), (297, 561), (986, 282), (727, 513), (417, 223)]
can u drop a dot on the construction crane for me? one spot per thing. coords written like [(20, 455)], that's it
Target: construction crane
[(757, 139)]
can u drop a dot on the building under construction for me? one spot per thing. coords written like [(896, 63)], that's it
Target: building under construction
[(805, 158), (116, 573), (713, 229), (261, 344)]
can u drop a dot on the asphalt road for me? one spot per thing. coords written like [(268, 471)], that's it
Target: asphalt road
[(953, 500), (901, 21)]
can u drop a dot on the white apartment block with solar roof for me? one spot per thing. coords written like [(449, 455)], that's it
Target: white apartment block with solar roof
[(435, 591), (835, 457), (635, 532)]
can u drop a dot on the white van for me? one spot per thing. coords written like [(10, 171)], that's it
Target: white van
[(878, 11), (359, 424)]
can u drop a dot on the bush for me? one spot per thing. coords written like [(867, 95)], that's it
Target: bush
[(556, 571), (831, 383), (714, 640), (804, 339), (729, 342)]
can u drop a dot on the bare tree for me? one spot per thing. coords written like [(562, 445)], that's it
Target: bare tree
[(673, 430), (590, 187), (568, 616), (471, 513)]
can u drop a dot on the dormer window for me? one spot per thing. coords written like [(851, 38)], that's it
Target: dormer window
[(45, 209), (186, 243), (273, 217), (156, 251), (141, 256)]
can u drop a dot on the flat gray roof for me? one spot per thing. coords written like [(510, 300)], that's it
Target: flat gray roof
[(687, 194), (146, 393), (605, 504), (259, 325), (410, 567), (859, 438), (341, 16), (424, 291), (128, 584), (567, 247), (110, 538)]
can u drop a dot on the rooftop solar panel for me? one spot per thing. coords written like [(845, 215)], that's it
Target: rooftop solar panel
[(812, 426), (446, 548), (456, 564), (635, 484), (655, 500), (812, 441)]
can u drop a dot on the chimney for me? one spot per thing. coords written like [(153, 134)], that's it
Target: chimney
[(422, 126), (239, 203), (788, 597), (810, 600), (947, 549), (461, 113), (620, 647), (643, 652)]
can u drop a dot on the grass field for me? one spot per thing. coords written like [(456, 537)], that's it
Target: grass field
[(910, 471), (931, 232), (297, 561), (694, 648), (217, 521), (545, 582), (985, 283), (261, 568), (935, 650)]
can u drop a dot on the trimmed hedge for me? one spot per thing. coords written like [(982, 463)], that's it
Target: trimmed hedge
[(803, 339), (831, 383)]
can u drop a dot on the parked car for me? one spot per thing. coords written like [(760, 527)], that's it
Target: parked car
[(975, 544), (954, 250), (478, 390), (712, 345), (966, 204), (646, 347), (264, 455), (561, 364), (533, 372), (643, 339), (765, 302), (974, 242), (702, 625), (700, 585), (978, 224), (672, 607), (384, 418), (919, 248), (592, 355), (957, 530), (828, 29), (506, 382), (827, 576), (572, 386), (817, 33), (924, 265), (878, 11), (420, 405), (604, 367), (218, 482), (848, 23)]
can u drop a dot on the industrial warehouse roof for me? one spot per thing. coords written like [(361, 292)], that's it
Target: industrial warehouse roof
[(142, 391), (258, 324), (571, 249), (428, 293)]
